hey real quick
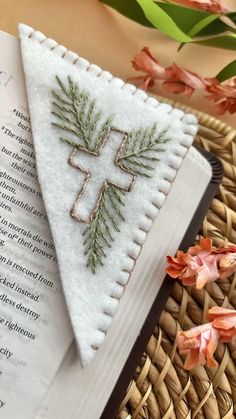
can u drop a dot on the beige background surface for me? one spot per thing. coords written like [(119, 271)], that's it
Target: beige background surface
[(109, 40)]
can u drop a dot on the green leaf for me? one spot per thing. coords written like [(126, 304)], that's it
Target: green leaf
[(224, 41), (162, 21), (214, 28), (76, 114), (187, 18), (98, 235), (231, 16), (184, 18), (198, 28), (227, 72), (130, 9), (202, 24), (141, 150)]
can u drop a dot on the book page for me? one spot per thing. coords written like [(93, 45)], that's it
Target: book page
[(35, 331)]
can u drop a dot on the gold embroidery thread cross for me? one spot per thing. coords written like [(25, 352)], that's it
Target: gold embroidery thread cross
[(99, 174)]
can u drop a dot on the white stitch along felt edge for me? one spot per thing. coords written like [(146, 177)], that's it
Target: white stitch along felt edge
[(189, 123)]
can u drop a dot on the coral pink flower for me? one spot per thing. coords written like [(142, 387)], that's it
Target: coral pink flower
[(223, 95), (224, 321), (145, 61), (199, 343), (206, 244), (212, 6), (176, 79), (202, 263), (182, 81), (227, 265), (179, 268)]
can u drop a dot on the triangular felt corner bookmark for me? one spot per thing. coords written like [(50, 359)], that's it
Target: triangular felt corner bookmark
[(107, 155)]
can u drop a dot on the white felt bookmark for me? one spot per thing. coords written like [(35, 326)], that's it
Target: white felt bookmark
[(107, 155)]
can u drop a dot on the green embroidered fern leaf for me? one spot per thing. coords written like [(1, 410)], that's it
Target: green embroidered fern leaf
[(84, 126), (75, 113), (98, 235), (143, 146)]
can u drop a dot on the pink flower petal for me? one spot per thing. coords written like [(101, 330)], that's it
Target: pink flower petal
[(199, 343), (145, 61), (223, 95), (177, 87), (213, 6)]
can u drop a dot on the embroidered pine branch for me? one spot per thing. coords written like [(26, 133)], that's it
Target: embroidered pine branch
[(86, 128), (76, 114), (99, 233), (142, 148)]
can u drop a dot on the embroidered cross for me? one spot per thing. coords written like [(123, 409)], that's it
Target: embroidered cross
[(109, 160), (100, 169)]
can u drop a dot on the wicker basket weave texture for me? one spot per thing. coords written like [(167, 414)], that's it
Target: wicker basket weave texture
[(161, 387)]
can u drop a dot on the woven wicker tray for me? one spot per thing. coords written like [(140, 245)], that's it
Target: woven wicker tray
[(161, 387)]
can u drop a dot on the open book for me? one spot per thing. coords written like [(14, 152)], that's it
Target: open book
[(40, 371)]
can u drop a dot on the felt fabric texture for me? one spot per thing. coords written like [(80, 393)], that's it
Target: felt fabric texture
[(92, 299), (100, 169)]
